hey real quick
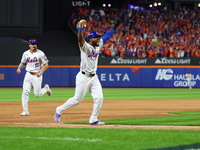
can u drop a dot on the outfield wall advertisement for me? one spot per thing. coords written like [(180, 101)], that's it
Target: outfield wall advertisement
[(110, 76)]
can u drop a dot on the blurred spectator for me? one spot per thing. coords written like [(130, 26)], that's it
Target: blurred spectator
[(151, 53)]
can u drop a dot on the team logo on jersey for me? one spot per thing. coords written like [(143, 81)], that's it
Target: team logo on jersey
[(93, 54), (29, 60)]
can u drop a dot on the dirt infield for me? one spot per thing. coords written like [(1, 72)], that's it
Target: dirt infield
[(41, 112)]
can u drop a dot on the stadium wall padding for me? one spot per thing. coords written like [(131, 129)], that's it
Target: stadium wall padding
[(110, 76)]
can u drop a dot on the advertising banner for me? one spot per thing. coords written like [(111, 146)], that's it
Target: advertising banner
[(131, 76), (148, 77), (103, 61), (158, 61)]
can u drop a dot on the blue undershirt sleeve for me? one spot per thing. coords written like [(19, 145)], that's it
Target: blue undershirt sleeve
[(107, 35)]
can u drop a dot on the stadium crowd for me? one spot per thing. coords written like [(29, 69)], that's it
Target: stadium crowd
[(174, 33)]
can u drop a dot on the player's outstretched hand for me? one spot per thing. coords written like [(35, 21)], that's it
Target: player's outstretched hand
[(117, 22), (82, 23), (39, 74), (18, 71)]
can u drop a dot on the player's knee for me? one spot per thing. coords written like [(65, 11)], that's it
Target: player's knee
[(76, 100), (76, 103), (99, 98), (37, 94), (25, 92)]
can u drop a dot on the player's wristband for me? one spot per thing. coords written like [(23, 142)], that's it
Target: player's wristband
[(80, 30), (39, 74)]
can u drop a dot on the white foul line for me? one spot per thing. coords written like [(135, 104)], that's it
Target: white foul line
[(46, 138)]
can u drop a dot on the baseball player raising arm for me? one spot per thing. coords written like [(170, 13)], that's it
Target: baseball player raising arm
[(86, 79), (36, 64)]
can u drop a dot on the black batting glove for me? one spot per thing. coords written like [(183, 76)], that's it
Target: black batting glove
[(117, 22)]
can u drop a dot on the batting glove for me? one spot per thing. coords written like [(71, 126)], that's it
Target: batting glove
[(117, 22), (82, 23)]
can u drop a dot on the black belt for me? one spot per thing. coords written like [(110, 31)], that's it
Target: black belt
[(89, 75), (33, 73)]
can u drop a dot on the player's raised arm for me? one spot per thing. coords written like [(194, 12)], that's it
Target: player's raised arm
[(81, 39), (109, 33)]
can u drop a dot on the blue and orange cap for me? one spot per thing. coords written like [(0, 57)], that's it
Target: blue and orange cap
[(93, 34)]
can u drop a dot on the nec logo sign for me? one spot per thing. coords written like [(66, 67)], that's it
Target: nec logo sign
[(164, 74)]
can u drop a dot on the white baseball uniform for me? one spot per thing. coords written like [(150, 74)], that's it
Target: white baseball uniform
[(188, 77), (34, 63), (87, 80)]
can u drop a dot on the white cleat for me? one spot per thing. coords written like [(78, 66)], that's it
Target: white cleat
[(49, 92), (25, 113)]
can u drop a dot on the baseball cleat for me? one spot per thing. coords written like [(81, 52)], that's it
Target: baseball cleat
[(24, 113), (97, 123), (57, 117), (49, 92)]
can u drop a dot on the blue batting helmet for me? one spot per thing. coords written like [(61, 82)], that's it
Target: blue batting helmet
[(93, 34), (32, 41)]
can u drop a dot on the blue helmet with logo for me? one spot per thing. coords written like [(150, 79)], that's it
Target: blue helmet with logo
[(32, 41), (93, 34)]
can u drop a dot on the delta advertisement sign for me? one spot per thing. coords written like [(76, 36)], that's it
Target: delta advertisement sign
[(130, 76)]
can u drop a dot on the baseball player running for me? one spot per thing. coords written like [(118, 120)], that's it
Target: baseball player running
[(188, 77), (86, 79), (36, 64)]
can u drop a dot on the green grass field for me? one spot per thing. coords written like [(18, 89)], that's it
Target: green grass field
[(23, 138), (109, 94)]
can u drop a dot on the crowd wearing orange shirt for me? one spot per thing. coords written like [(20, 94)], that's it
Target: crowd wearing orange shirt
[(176, 32)]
